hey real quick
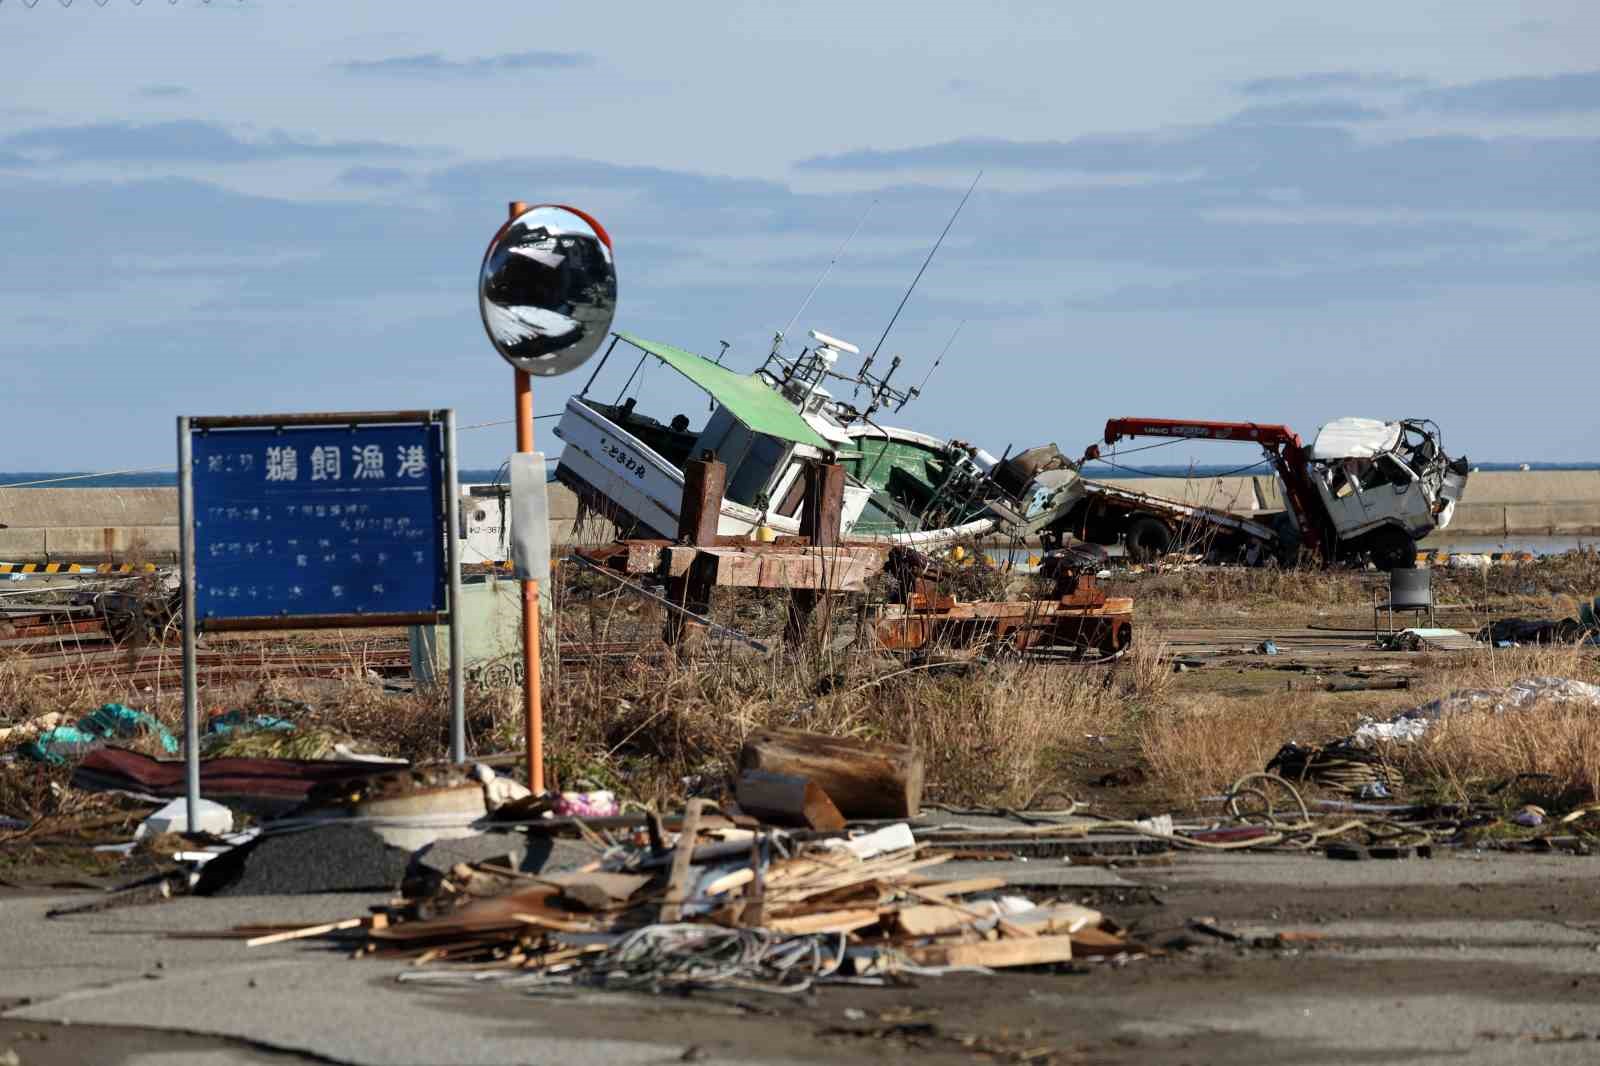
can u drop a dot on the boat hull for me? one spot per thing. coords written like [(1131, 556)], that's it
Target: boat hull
[(618, 474)]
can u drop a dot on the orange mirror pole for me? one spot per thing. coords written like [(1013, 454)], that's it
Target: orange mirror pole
[(534, 724)]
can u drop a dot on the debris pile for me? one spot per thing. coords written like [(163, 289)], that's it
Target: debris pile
[(734, 905)]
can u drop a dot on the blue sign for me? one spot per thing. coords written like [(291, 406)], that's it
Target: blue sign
[(318, 520)]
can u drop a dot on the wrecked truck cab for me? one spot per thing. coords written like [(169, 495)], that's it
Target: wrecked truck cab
[(1384, 485)]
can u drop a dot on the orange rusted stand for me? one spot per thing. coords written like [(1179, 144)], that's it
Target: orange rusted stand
[(534, 725)]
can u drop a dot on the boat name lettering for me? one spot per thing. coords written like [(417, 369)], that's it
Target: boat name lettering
[(623, 459)]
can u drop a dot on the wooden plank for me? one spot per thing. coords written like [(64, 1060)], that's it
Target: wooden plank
[(597, 890), (957, 888), (1092, 941), (844, 921), (1002, 922), (931, 919), (998, 953), (824, 569), (305, 931), (1058, 918), (678, 881), (560, 925)]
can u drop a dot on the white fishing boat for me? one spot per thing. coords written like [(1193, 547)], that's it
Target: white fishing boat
[(901, 486)]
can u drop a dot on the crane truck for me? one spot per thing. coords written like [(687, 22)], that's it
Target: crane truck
[(1363, 491)]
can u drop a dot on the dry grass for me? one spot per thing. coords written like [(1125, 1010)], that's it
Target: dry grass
[(1263, 592), (1549, 750), (1201, 744), (989, 731), (1465, 754), (657, 729)]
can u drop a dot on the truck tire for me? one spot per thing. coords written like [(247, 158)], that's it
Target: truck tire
[(1147, 538), (1393, 549)]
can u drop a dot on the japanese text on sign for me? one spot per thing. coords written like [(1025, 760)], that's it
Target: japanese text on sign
[(318, 521)]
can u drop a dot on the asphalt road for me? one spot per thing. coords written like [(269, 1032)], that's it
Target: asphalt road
[(1479, 958)]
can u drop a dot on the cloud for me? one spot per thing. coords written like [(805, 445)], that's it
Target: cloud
[(374, 177), (181, 141), (1316, 110), (1344, 284), (161, 91), (1324, 81), (192, 268), (1313, 165), (1172, 152), (1555, 94), (433, 65)]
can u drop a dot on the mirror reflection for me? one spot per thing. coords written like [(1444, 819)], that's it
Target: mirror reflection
[(548, 290)]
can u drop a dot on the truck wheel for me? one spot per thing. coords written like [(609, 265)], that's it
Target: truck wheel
[(1394, 550), (1148, 538)]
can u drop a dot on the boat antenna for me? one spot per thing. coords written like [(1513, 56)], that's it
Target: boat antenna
[(931, 252), (914, 393), (778, 339)]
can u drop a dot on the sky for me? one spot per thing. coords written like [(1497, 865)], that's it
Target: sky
[(1266, 210)]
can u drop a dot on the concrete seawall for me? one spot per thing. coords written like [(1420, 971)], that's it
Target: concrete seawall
[(119, 525), (1536, 503)]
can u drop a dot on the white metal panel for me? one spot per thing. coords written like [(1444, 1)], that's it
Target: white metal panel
[(1355, 438)]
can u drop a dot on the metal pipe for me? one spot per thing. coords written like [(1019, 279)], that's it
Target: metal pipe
[(599, 366), (191, 697), (626, 384), (458, 695)]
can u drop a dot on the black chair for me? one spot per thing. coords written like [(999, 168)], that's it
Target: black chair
[(1409, 590)]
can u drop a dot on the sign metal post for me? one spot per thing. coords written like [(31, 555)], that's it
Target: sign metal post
[(308, 521)]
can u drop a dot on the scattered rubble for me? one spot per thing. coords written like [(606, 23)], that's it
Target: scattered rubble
[(1410, 725)]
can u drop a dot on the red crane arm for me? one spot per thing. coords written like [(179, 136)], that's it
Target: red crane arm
[(1281, 443), (1272, 436)]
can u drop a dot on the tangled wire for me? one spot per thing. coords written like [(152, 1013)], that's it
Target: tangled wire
[(686, 956)]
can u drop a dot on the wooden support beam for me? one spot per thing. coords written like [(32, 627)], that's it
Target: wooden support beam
[(692, 592), (704, 481), (824, 504), (820, 522)]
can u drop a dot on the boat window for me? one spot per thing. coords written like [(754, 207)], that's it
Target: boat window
[(714, 438), (757, 460)]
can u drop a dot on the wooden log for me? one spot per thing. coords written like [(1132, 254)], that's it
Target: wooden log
[(787, 799), (864, 779)]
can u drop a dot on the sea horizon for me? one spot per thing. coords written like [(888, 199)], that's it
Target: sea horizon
[(480, 475)]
